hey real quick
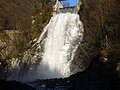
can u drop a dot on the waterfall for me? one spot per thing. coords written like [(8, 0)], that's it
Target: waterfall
[(60, 40)]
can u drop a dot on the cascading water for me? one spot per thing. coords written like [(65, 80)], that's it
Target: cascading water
[(57, 45), (60, 39)]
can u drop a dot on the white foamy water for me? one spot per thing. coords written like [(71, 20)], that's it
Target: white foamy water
[(64, 34)]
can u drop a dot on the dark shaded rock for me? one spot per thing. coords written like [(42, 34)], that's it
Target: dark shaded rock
[(13, 85), (90, 79), (95, 77)]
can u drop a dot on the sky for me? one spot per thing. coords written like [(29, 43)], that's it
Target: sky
[(69, 3)]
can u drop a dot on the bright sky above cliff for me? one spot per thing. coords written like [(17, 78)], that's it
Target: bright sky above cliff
[(69, 3)]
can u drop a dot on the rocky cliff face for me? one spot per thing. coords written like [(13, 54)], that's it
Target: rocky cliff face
[(101, 23), (21, 23)]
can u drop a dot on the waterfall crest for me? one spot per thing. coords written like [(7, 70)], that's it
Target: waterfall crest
[(60, 40)]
